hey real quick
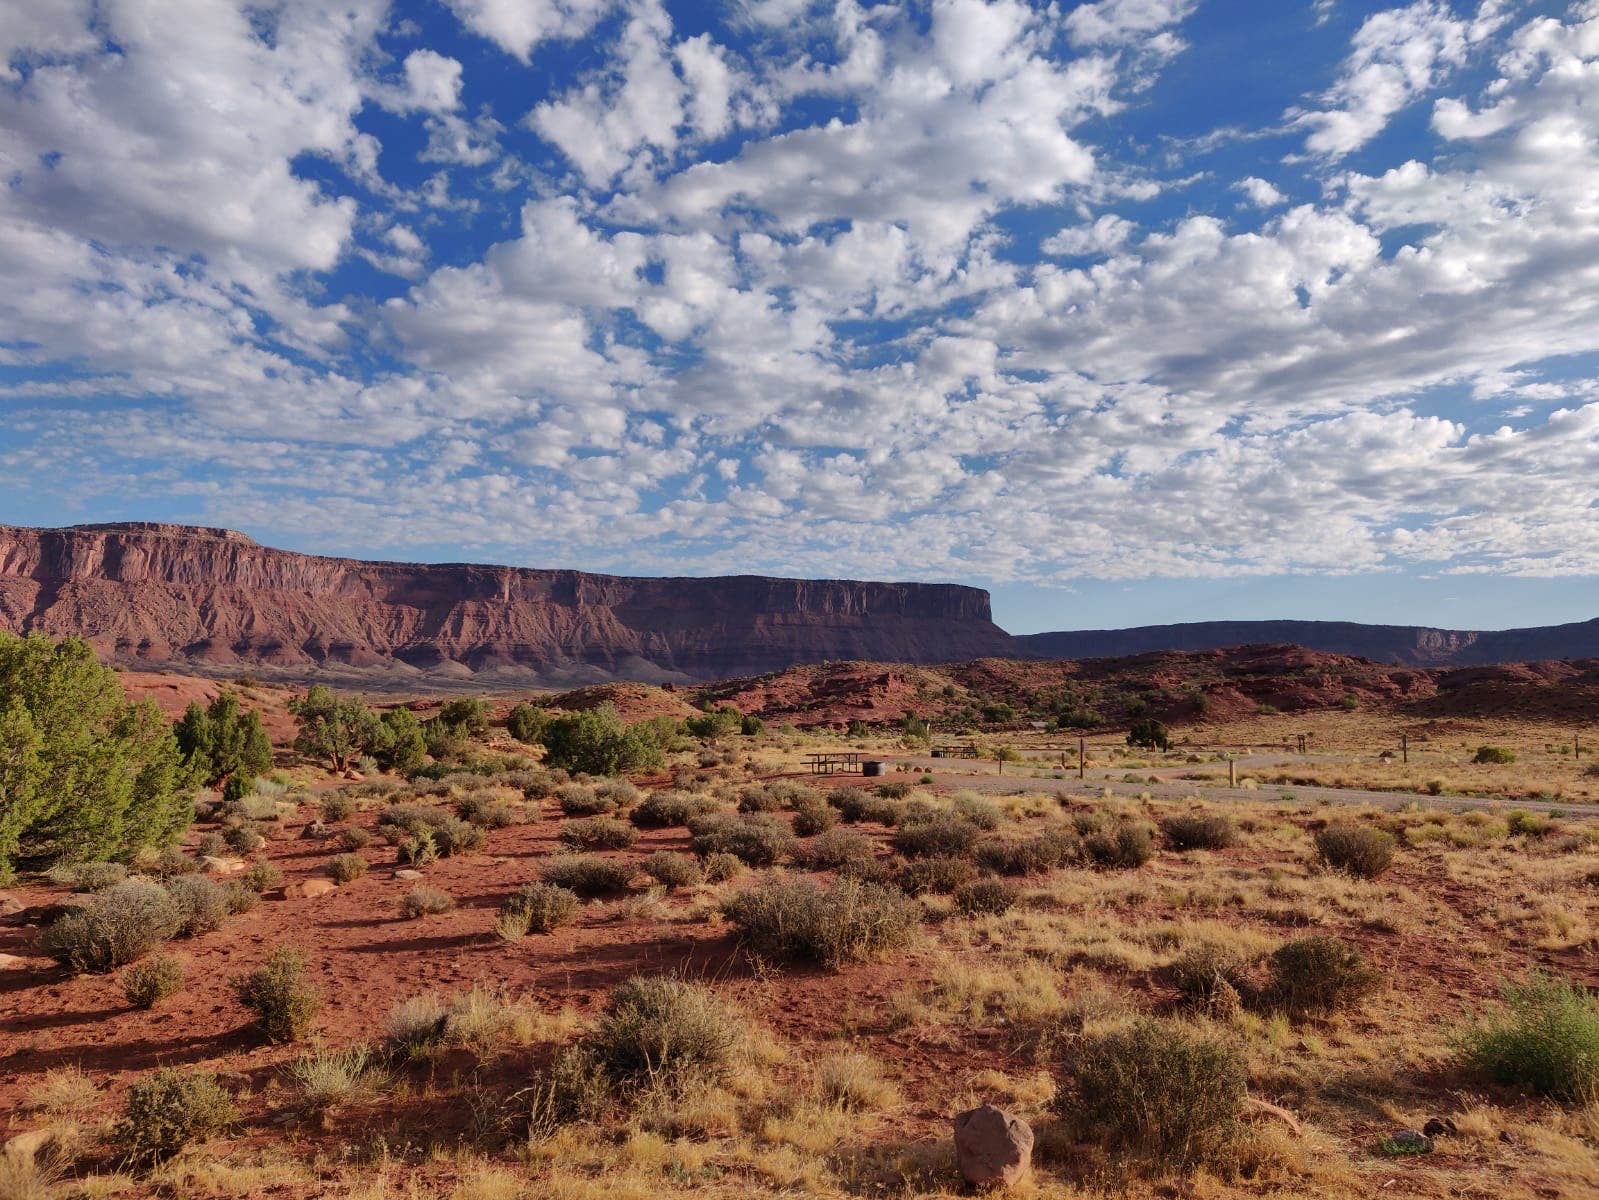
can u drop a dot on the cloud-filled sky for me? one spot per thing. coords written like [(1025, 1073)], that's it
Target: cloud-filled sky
[(1130, 310)]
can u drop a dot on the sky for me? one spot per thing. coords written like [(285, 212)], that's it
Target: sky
[(1130, 311)]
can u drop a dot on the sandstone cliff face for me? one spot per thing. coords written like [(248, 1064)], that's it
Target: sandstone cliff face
[(177, 594)]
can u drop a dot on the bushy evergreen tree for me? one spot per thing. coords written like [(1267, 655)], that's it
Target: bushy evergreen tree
[(339, 729), (223, 740), (596, 742), (83, 773)]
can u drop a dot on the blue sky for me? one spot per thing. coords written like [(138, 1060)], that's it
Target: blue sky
[(1131, 311)]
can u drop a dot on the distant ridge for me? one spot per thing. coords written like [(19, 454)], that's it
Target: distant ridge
[(1408, 645)]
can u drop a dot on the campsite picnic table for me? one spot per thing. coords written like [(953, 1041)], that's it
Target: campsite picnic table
[(829, 764)]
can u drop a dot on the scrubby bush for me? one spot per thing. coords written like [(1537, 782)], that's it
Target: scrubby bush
[(337, 806), (598, 833), (485, 811), (241, 897), (1149, 734), (1212, 977), (840, 850), (262, 876), (1521, 823), (526, 723), (152, 980), (814, 817), (660, 810), (1159, 1091), (800, 920), (986, 897), (939, 874), (855, 805), (1126, 844), (122, 924), (721, 866), (673, 870), (758, 799), (1315, 976), (1054, 847), (984, 814), (1494, 755), (543, 906), (411, 826), (423, 901), (758, 839), (282, 997), (583, 800), (1199, 831), (346, 868), (944, 836), (89, 876), (355, 838), (202, 903), (244, 838), (329, 1077), (1544, 1036), (166, 1111), (1359, 850), (587, 875), (664, 1032)]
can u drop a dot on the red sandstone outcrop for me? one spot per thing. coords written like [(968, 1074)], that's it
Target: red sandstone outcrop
[(145, 593)]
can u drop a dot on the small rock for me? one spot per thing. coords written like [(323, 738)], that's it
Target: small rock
[(312, 888), (408, 874), (315, 831), (992, 1147), (1254, 1107), (1407, 1141), (354, 776), (10, 906), (222, 866), (14, 962), (1438, 1127), (27, 1147)]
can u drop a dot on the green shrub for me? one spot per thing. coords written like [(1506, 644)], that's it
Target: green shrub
[(673, 870), (596, 742), (1545, 1037), (122, 924), (261, 876), (424, 901), (1149, 734), (758, 799), (241, 898), (757, 839), (541, 907), (942, 875), (721, 866), (1358, 850), (1520, 823), (944, 836), (1199, 831), (986, 897), (169, 863), (984, 814), (800, 920), (1212, 977), (355, 838), (152, 980), (166, 1111), (1493, 754), (244, 838), (814, 818), (89, 876), (661, 810), (587, 875), (417, 850), (855, 805), (337, 806), (598, 833), (1128, 844), (1315, 976), (1045, 851), (664, 1032), (283, 999), (1158, 1091), (583, 800), (346, 868), (840, 850), (202, 903), (526, 723), (485, 811)]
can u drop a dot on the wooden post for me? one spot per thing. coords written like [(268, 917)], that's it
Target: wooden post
[(1232, 773), (1082, 756), (1576, 745), (1404, 748)]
